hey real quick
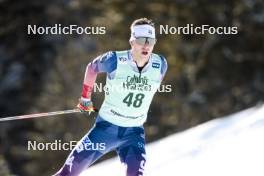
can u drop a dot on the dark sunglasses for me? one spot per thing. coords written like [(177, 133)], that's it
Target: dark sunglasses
[(145, 40)]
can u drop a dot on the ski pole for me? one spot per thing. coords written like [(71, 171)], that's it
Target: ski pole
[(45, 114)]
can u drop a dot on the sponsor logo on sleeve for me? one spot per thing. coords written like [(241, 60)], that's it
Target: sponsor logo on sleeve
[(155, 65)]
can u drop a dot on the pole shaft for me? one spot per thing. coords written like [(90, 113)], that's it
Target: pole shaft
[(39, 115)]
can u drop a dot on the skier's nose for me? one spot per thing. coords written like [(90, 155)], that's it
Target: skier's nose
[(146, 47)]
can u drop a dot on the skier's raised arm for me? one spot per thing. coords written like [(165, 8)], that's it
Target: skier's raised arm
[(103, 63)]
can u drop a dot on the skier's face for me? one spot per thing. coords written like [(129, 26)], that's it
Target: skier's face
[(142, 47)]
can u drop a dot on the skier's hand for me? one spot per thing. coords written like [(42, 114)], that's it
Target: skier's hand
[(85, 105)]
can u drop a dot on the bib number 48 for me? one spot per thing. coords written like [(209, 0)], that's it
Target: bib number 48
[(136, 102)]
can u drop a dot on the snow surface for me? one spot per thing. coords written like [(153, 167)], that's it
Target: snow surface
[(230, 146)]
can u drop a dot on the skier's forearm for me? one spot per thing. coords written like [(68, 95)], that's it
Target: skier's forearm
[(88, 82)]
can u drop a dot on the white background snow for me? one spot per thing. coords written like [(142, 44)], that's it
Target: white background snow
[(230, 146)]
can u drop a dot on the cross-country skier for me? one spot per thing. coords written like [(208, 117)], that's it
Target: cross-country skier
[(133, 77)]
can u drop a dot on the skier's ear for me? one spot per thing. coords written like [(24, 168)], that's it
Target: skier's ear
[(131, 43)]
